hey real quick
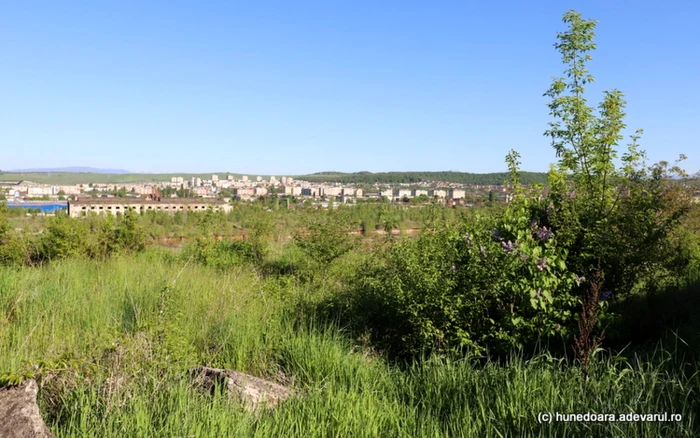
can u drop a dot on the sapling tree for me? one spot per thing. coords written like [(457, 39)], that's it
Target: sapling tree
[(613, 220), (325, 239), (547, 264)]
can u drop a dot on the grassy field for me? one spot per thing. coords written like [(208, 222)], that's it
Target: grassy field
[(118, 337)]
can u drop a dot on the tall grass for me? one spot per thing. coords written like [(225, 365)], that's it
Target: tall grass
[(142, 321)]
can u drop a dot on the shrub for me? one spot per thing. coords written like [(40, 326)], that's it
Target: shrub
[(220, 254), (91, 237), (492, 285), (13, 246), (64, 237), (522, 276), (325, 238)]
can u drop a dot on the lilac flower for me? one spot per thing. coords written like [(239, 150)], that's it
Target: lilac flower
[(544, 234), (468, 238), (605, 295), (533, 224), (524, 257), (543, 264), (508, 246)]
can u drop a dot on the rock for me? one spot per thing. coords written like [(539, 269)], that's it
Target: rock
[(19, 413), (250, 391)]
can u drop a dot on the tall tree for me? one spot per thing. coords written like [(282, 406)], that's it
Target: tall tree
[(614, 220), (594, 199)]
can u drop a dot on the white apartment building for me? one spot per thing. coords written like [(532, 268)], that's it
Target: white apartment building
[(457, 194)]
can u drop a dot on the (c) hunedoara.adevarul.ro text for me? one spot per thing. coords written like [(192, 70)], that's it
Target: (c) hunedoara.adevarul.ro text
[(549, 417)]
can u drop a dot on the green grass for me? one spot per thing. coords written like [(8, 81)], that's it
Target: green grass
[(132, 327)]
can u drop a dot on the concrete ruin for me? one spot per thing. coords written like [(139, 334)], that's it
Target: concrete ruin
[(84, 206), (252, 392)]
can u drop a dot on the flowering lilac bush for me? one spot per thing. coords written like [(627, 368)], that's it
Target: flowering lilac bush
[(528, 272), (489, 286)]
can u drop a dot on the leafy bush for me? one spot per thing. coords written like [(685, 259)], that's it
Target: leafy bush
[(220, 254), (13, 247), (601, 232), (64, 237), (492, 285), (325, 238), (92, 237)]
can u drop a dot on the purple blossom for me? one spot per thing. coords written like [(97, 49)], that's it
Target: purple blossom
[(605, 295), (524, 257), (508, 247), (544, 234), (543, 264)]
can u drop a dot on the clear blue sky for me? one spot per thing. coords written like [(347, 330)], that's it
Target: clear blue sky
[(292, 87)]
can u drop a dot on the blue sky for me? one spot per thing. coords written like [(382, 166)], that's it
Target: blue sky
[(297, 87)]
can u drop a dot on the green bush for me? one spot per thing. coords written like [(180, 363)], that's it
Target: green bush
[(64, 237), (602, 232), (325, 238), (91, 237), (13, 246), (220, 254), (492, 285)]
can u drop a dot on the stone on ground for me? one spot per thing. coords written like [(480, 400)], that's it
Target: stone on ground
[(19, 413), (250, 391)]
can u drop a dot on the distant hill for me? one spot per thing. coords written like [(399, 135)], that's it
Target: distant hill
[(365, 177), (70, 170)]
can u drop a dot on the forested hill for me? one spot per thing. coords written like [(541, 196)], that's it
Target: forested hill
[(416, 177)]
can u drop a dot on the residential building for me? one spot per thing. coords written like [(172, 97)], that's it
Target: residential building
[(402, 193), (457, 194)]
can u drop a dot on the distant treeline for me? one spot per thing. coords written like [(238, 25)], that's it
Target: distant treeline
[(416, 177)]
